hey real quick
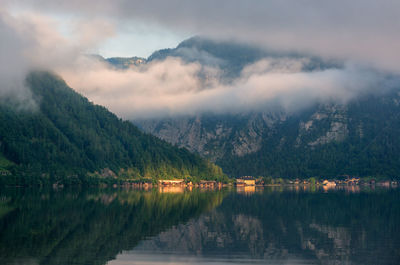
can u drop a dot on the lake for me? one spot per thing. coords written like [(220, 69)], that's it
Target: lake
[(271, 225)]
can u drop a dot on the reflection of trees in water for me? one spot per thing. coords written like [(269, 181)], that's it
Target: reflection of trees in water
[(89, 227), (326, 227)]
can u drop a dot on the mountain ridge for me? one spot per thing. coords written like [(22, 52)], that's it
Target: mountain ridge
[(356, 137), (360, 139)]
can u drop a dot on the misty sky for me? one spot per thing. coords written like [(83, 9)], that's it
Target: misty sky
[(55, 34)]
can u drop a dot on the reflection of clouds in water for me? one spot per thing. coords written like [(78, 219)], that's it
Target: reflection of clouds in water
[(143, 258)]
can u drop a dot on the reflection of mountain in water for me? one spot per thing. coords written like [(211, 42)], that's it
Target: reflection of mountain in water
[(330, 228), (88, 227)]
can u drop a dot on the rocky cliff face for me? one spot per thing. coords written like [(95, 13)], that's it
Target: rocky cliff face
[(216, 136), (327, 133), (330, 122)]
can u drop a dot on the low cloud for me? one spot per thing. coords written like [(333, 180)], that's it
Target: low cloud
[(31, 41), (13, 64), (173, 87)]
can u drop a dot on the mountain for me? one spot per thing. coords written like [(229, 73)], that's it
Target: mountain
[(125, 63), (120, 63), (231, 56), (360, 137), (67, 138)]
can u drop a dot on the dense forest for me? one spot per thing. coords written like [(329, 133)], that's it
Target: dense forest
[(71, 140)]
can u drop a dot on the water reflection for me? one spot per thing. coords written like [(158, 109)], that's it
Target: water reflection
[(247, 189), (270, 225), (172, 189), (88, 227), (166, 258), (275, 225)]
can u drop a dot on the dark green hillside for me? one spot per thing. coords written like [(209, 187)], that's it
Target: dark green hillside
[(68, 136)]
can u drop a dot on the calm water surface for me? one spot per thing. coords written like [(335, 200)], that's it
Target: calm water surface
[(266, 226)]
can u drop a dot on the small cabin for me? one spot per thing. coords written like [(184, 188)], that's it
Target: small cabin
[(328, 183), (171, 182), (246, 181), (352, 181), (207, 183)]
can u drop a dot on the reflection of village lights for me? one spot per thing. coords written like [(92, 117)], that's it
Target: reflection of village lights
[(246, 189), (171, 189)]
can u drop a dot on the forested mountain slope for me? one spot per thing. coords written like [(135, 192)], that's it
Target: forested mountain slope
[(67, 137)]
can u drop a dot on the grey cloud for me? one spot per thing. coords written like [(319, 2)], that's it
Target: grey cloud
[(13, 66), (204, 58), (31, 41), (362, 30)]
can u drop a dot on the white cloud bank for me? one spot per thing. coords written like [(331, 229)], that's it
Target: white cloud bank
[(33, 40), (172, 87)]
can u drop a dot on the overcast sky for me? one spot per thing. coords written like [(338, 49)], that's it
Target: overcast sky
[(55, 33), (366, 30)]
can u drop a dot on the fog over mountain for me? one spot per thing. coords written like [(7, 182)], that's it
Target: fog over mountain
[(193, 78), (285, 114), (56, 35)]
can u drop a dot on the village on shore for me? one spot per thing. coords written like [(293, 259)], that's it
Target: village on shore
[(248, 182)]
